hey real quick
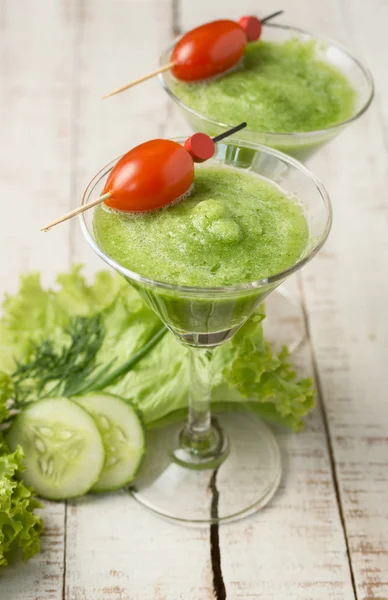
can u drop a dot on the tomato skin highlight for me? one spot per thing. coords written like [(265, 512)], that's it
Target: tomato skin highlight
[(150, 176), (208, 50)]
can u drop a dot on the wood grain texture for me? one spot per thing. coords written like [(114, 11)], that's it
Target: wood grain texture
[(36, 67), (115, 549), (320, 17), (113, 49), (56, 60), (296, 548), (346, 300), (42, 577), (349, 330), (347, 296), (118, 551)]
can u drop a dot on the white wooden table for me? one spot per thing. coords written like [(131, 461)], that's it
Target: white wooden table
[(325, 534)]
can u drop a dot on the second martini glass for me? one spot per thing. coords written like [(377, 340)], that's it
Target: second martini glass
[(284, 312), (223, 468), (300, 145)]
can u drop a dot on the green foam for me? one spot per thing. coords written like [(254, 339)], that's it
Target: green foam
[(281, 88), (233, 228)]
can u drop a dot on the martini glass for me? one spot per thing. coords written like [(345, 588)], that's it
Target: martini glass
[(300, 145), (284, 311), (219, 468)]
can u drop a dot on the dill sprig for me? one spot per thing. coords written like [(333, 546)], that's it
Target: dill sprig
[(71, 369), (52, 371)]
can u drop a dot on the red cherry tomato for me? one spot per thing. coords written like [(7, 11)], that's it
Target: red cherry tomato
[(150, 176), (208, 50)]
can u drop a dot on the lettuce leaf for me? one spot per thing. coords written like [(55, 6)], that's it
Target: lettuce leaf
[(247, 374), (20, 527), (6, 392), (34, 314)]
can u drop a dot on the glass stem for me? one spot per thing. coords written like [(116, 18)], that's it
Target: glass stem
[(199, 417), (202, 443)]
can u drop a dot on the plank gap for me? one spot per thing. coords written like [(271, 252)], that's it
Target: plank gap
[(326, 430), (79, 11), (215, 550), (350, 30), (64, 552), (176, 17)]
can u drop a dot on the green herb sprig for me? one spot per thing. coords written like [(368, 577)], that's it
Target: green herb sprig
[(59, 371)]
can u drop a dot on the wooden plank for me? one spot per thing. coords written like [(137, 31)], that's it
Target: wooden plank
[(113, 50), (333, 553), (35, 153), (350, 335), (296, 547), (348, 328), (36, 65), (115, 548), (345, 290), (366, 27), (42, 577), (319, 17)]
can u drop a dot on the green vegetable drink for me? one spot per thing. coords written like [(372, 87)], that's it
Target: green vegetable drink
[(281, 88), (235, 227)]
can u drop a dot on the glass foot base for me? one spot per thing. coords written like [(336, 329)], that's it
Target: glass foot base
[(210, 452), (284, 324), (244, 482)]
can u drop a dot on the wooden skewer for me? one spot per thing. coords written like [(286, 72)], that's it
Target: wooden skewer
[(140, 79), (84, 207), (170, 65), (77, 211)]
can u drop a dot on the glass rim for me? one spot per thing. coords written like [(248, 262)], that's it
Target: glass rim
[(241, 287), (288, 135)]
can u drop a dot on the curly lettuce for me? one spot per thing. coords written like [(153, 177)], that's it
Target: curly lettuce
[(6, 392), (247, 373), (20, 527)]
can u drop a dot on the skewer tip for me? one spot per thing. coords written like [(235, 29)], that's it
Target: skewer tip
[(77, 211), (140, 79)]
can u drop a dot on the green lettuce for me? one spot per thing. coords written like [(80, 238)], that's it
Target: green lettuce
[(247, 374), (6, 392), (131, 357), (20, 527), (33, 314)]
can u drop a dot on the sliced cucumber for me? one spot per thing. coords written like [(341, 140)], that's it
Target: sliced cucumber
[(123, 436), (64, 454)]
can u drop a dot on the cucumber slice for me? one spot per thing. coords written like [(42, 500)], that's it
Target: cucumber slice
[(64, 454), (123, 436)]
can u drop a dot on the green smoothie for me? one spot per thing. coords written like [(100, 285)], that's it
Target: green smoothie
[(281, 88), (233, 228)]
